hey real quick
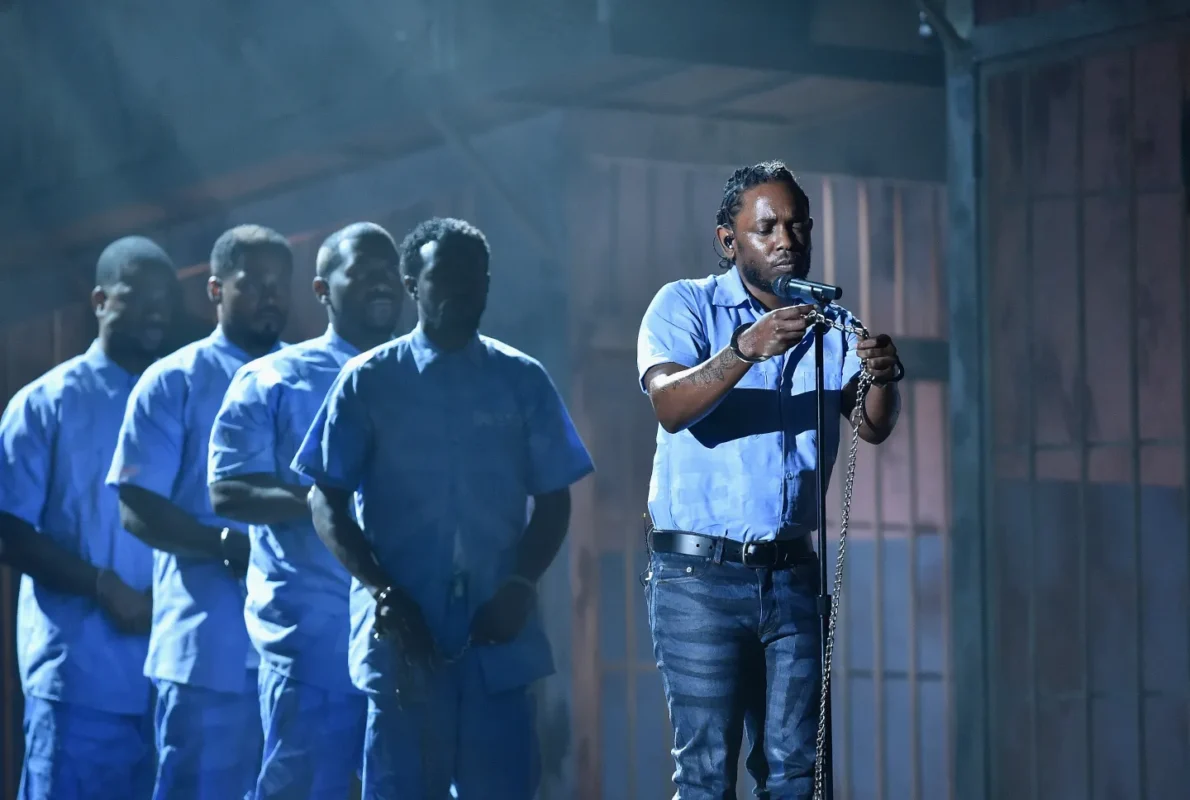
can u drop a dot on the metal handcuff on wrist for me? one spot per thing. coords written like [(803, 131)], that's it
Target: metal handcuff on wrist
[(224, 535), (858, 416), (381, 597)]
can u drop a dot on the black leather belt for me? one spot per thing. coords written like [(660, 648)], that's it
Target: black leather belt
[(781, 554)]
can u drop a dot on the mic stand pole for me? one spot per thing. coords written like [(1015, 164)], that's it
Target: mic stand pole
[(824, 598)]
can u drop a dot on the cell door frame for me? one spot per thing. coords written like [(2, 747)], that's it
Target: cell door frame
[(1019, 44)]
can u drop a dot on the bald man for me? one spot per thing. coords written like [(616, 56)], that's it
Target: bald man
[(298, 609), (85, 605)]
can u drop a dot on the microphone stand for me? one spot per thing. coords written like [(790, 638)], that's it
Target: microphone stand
[(824, 598)]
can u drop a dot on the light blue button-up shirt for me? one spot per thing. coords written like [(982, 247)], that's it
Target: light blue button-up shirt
[(444, 450), (298, 611), (198, 635), (746, 470), (57, 437)]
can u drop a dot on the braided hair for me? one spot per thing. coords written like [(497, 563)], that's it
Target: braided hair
[(746, 178)]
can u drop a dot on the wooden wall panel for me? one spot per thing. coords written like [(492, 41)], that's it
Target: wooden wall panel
[(1090, 572)]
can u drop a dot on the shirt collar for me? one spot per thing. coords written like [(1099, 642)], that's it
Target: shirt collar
[(426, 352), (730, 292), (337, 343), (219, 339), (100, 360)]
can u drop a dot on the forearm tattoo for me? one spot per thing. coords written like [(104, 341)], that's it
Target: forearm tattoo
[(705, 374)]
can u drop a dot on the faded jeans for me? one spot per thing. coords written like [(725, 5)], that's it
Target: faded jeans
[(738, 649)]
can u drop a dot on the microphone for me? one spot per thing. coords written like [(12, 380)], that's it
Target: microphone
[(788, 287)]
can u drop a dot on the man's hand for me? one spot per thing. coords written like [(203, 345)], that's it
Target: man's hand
[(237, 549), (775, 332), (501, 619), (879, 354), (129, 610), (399, 617)]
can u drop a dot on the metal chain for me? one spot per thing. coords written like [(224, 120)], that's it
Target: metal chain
[(865, 382)]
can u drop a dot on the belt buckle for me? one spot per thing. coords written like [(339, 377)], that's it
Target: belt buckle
[(751, 548)]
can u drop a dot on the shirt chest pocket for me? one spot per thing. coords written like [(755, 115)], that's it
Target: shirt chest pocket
[(761, 376), (464, 431), (495, 427), (804, 378)]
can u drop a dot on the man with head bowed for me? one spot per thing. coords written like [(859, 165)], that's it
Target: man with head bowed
[(444, 436), (298, 612), (85, 604), (207, 717), (733, 579)]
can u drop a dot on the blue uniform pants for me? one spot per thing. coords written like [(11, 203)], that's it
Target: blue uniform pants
[(738, 648), (208, 743), (484, 743), (77, 753), (313, 739)]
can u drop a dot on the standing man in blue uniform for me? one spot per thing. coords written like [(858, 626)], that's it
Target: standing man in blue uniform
[(446, 435), (733, 578), (298, 610), (208, 728), (84, 609)]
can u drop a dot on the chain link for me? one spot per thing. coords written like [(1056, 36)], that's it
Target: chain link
[(865, 382)]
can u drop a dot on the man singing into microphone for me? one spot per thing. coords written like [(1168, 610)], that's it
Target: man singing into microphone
[(733, 577)]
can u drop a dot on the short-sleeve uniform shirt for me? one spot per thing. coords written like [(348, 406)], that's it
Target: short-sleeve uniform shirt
[(198, 636), (744, 471), (444, 449), (298, 610), (57, 437)]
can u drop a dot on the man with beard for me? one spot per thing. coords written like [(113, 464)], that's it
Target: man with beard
[(733, 577), (84, 609), (298, 611), (208, 726), (446, 435)]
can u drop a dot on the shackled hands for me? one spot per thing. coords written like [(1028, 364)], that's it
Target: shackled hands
[(879, 355), (780, 330)]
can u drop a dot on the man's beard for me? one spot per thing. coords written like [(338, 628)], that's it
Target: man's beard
[(138, 342), (801, 268), (261, 338), (461, 319), (752, 275), (375, 319)]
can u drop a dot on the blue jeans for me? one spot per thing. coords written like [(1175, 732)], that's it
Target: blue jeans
[(738, 649), (77, 753)]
